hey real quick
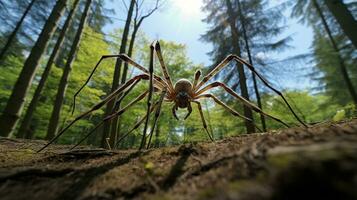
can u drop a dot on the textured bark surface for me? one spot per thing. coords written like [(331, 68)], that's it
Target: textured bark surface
[(315, 163)]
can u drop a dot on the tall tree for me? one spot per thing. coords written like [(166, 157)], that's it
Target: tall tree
[(116, 80), (259, 25), (316, 15), (232, 19), (25, 125), (13, 109), (245, 37), (53, 125), (97, 20), (342, 64), (344, 17), (13, 33), (327, 71), (138, 20), (11, 13)]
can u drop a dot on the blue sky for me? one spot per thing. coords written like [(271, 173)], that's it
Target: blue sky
[(181, 21)]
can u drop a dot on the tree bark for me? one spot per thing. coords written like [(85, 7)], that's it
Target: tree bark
[(53, 125), (262, 118), (137, 24), (24, 131), (116, 131), (242, 78), (344, 17), (116, 79), (130, 52), (14, 32), (15, 104), (343, 67)]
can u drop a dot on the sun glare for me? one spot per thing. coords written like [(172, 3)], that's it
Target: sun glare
[(188, 8)]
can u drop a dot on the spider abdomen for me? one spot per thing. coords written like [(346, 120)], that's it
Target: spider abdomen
[(183, 90)]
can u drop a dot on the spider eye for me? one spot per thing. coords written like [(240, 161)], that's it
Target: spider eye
[(182, 94)]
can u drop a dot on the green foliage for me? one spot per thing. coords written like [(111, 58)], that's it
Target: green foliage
[(10, 69), (263, 26), (328, 69), (311, 108), (347, 112), (88, 55)]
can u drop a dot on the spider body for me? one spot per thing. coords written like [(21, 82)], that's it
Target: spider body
[(182, 94)]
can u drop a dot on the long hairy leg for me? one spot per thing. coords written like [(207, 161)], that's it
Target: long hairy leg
[(138, 123), (123, 57), (241, 99), (203, 119), (157, 115), (231, 110), (97, 106), (197, 77), (156, 46), (117, 113), (231, 57), (151, 88), (110, 117)]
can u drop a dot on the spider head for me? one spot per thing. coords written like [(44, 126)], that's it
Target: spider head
[(182, 99)]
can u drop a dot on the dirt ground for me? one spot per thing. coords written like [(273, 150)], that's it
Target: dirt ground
[(315, 163)]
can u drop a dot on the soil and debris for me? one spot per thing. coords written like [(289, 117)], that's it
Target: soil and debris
[(315, 163)]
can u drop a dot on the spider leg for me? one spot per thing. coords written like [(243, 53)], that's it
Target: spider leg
[(110, 117), (197, 77), (123, 57), (97, 106), (157, 115), (151, 87), (189, 108), (138, 123), (174, 108), (231, 110), (125, 94), (203, 119), (156, 46), (243, 100), (231, 57)]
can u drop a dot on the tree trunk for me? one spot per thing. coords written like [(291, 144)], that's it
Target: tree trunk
[(15, 104), (125, 72), (53, 125), (25, 125), (13, 34), (262, 118), (344, 17), (242, 78), (130, 52), (343, 67), (110, 106)]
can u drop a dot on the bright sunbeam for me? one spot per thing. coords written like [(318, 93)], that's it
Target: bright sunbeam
[(188, 8)]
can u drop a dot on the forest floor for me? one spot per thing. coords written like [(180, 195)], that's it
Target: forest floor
[(297, 163)]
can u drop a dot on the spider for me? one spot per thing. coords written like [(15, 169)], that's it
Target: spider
[(183, 93)]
